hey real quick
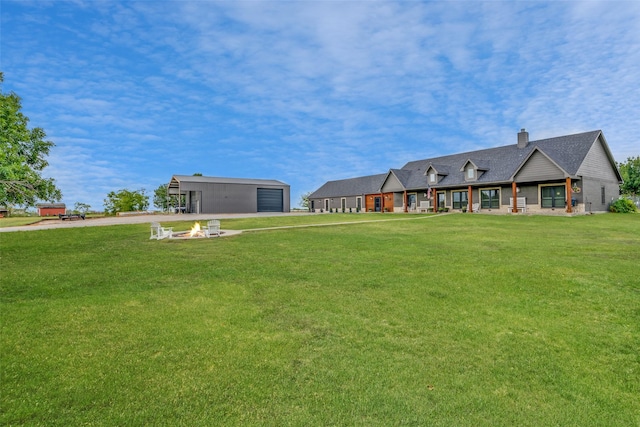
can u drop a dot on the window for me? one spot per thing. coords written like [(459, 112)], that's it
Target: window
[(432, 177), (603, 197), (470, 173), (358, 203), (490, 199), (441, 200), (326, 204), (343, 204), (553, 196), (459, 199)]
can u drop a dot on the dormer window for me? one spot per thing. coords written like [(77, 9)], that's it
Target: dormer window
[(474, 169), (432, 177)]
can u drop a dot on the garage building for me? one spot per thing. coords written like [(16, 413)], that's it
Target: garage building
[(204, 194)]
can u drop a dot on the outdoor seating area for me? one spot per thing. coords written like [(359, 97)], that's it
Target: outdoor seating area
[(424, 206), (521, 204), (158, 232), (212, 229)]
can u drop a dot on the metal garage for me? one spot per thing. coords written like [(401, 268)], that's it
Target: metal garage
[(204, 194)]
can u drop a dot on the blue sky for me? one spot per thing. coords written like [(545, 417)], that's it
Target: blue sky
[(134, 92)]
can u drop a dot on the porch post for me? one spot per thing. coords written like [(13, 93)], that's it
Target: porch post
[(514, 196), (469, 199), (569, 194), (381, 202), (406, 204), (435, 200)]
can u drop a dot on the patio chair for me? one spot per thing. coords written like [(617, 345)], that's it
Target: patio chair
[(475, 207), (212, 228), (159, 232)]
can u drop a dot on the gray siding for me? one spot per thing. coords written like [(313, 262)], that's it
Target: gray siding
[(597, 172), (592, 194), (539, 168), (392, 184), (530, 192), (596, 164), (228, 198)]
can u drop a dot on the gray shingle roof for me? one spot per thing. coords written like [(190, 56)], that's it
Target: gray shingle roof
[(350, 187), (498, 165), (501, 163)]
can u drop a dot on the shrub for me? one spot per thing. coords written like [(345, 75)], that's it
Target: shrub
[(623, 205)]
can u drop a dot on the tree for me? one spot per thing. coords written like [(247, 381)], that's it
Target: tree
[(304, 200), (81, 207), (164, 201), (23, 154), (160, 197), (630, 171), (126, 201)]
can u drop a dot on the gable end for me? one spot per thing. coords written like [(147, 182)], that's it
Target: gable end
[(597, 164), (538, 167)]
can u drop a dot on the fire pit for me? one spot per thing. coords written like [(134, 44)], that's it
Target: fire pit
[(196, 232)]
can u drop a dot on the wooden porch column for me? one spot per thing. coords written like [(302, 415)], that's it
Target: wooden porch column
[(514, 196), (469, 199), (569, 194), (434, 191), (406, 204)]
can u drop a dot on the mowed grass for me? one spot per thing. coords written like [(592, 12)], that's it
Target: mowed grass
[(465, 320)]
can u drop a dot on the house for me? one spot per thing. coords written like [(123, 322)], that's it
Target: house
[(353, 194), (203, 194), (51, 209), (566, 174)]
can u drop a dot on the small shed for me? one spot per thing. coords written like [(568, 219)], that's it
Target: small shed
[(51, 209), (205, 194)]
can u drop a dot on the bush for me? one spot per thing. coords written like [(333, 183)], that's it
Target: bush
[(623, 205)]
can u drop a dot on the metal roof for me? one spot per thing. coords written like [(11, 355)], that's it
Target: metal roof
[(177, 179)]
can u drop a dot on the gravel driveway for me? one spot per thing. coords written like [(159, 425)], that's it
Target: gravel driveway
[(133, 219)]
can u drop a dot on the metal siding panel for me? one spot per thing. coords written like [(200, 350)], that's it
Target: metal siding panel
[(270, 199)]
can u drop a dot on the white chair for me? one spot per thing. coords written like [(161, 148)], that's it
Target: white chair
[(475, 207), (158, 232), (212, 228)]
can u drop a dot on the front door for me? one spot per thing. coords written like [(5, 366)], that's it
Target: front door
[(378, 204), (411, 202)]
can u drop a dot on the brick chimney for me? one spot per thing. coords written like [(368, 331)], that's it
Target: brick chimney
[(523, 138)]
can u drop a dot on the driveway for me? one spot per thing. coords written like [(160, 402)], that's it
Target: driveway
[(133, 219)]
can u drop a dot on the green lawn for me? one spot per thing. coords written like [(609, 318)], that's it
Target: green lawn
[(450, 320), (20, 220)]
